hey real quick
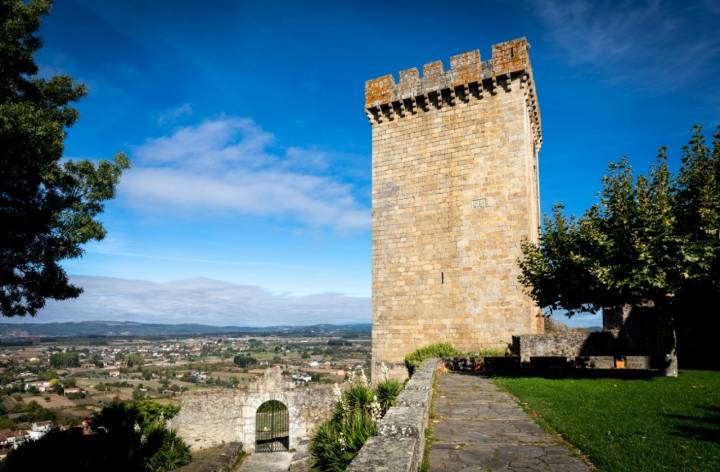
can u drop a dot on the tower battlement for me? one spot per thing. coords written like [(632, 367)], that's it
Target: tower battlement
[(469, 77)]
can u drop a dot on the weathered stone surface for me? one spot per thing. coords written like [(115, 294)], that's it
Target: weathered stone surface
[(455, 192), (386, 454), (267, 462), (401, 432), (569, 344), (479, 427), (211, 417)]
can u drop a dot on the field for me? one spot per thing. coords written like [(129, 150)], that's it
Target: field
[(658, 424)]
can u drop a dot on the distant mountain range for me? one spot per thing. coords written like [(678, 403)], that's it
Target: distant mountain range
[(129, 328)]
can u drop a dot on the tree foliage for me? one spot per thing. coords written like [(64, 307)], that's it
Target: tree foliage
[(128, 436), (244, 361), (650, 239), (64, 359), (48, 207)]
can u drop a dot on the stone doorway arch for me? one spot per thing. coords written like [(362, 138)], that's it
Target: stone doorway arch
[(272, 427)]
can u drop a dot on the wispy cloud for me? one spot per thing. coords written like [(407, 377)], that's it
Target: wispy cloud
[(173, 114), (230, 164), (201, 301), (657, 44)]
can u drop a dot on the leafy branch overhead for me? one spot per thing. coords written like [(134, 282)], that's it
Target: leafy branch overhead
[(48, 207), (650, 238)]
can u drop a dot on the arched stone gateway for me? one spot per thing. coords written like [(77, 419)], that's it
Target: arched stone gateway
[(211, 417), (272, 427)]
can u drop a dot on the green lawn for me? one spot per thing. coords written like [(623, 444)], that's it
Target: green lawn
[(631, 425)]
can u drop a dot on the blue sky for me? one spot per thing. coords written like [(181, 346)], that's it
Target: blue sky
[(250, 148)]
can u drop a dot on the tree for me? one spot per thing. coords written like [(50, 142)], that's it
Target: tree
[(650, 240), (64, 359), (48, 208), (129, 437), (134, 360), (244, 361)]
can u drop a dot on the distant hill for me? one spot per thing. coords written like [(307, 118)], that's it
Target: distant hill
[(129, 328)]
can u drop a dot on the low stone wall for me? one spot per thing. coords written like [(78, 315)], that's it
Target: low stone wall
[(577, 346), (569, 344), (400, 442)]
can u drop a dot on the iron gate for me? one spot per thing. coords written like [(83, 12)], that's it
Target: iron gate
[(272, 427)]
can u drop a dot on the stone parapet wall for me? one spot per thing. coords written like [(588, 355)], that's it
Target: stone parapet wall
[(400, 442)]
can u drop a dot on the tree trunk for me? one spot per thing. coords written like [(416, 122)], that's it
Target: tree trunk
[(669, 341)]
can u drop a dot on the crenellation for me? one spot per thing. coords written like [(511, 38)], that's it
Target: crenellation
[(468, 77), (466, 68)]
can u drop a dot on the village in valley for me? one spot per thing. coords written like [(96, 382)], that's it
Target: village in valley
[(61, 382)]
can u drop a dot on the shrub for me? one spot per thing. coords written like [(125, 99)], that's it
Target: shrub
[(387, 392), (488, 352), (441, 350), (173, 453), (336, 443), (129, 437), (338, 440)]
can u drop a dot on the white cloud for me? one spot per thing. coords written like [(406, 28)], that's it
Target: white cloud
[(230, 164), (653, 43), (173, 114), (201, 301)]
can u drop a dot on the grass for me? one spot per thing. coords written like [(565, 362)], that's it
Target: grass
[(658, 424), (425, 464)]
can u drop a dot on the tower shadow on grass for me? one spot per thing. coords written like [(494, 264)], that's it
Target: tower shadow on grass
[(703, 427)]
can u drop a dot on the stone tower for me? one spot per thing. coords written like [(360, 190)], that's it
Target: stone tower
[(454, 194)]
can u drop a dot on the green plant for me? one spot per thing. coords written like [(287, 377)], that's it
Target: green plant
[(129, 437), (487, 352), (429, 434), (387, 392), (338, 440), (441, 350), (173, 453)]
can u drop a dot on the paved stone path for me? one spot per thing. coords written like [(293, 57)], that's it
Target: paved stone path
[(477, 426), (266, 462)]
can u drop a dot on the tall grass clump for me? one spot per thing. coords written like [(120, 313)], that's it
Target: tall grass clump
[(441, 350), (354, 420)]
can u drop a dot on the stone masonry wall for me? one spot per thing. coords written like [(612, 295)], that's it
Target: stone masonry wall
[(455, 192), (400, 442), (209, 418)]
